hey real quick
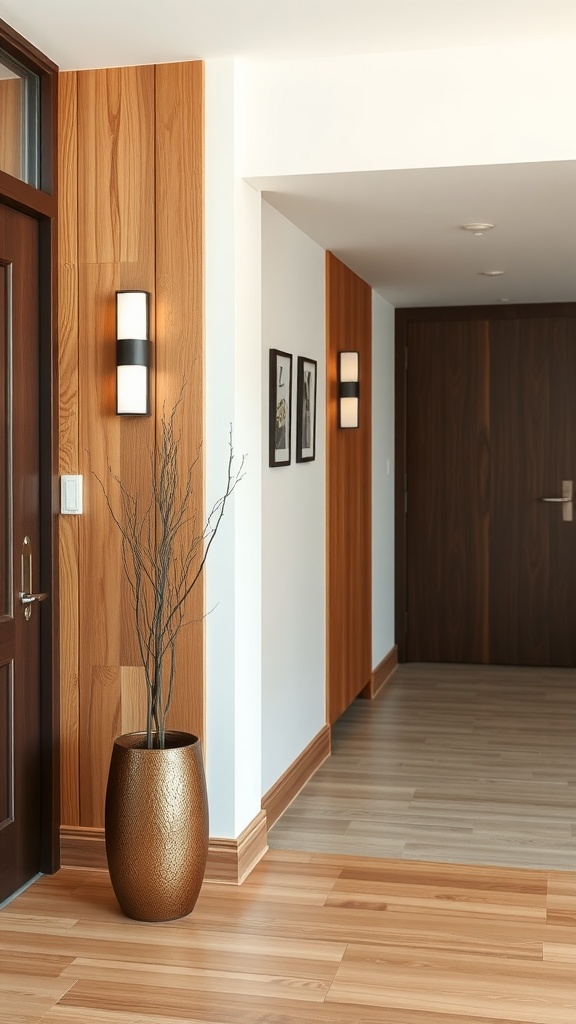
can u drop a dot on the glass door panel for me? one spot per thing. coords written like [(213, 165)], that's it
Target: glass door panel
[(19, 120)]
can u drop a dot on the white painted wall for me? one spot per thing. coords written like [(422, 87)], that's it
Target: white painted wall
[(293, 508), (382, 478), (265, 639), (233, 397), (265, 288), (436, 108)]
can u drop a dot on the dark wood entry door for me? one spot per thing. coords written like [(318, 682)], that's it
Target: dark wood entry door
[(490, 433), (20, 773)]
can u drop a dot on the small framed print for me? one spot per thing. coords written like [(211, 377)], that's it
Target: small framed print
[(280, 408), (306, 410)]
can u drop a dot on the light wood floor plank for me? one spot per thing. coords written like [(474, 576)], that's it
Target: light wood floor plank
[(391, 943), (24, 999), (319, 937), (463, 764), (521, 991)]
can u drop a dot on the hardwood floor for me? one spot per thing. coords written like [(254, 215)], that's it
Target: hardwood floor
[(473, 765), (450, 764), (309, 939)]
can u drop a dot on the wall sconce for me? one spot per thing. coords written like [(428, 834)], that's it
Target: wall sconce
[(348, 389), (133, 353)]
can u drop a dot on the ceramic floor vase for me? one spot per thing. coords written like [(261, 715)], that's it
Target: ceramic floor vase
[(156, 825)]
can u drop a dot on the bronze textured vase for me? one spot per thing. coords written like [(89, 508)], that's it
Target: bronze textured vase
[(156, 825)]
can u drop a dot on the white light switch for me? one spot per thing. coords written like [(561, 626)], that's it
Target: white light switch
[(71, 495)]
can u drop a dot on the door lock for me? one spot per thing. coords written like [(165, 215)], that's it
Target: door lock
[(27, 598)]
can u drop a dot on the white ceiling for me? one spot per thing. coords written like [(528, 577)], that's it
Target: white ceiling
[(400, 230), (105, 33)]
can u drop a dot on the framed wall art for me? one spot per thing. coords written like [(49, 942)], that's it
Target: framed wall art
[(280, 408), (306, 410)]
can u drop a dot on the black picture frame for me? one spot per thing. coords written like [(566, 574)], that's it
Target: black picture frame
[(307, 375), (280, 408)]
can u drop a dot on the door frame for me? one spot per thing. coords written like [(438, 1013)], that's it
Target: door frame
[(41, 204), (403, 318)]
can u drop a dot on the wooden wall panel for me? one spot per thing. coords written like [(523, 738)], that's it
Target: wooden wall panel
[(179, 321), (68, 441), (133, 703), (116, 250), (349, 494), (116, 183), (131, 218), (100, 722), (99, 554)]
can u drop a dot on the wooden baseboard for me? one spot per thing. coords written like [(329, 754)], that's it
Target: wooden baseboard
[(381, 675), (229, 860), (232, 860), (284, 791), (82, 847)]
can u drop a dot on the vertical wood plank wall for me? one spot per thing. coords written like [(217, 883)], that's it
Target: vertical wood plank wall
[(69, 457), (349, 494), (131, 166), (179, 314)]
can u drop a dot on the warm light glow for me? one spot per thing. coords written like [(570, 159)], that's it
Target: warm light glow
[(131, 315), (349, 412), (348, 366), (132, 390), (348, 389)]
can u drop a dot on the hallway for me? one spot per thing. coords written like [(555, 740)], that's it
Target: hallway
[(457, 764)]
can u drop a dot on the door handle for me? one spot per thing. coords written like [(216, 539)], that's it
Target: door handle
[(30, 598), (27, 598), (565, 500)]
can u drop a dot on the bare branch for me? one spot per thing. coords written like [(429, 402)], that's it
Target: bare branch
[(163, 557)]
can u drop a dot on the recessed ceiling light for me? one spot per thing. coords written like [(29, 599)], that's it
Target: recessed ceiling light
[(503, 300), (477, 228), (491, 273)]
